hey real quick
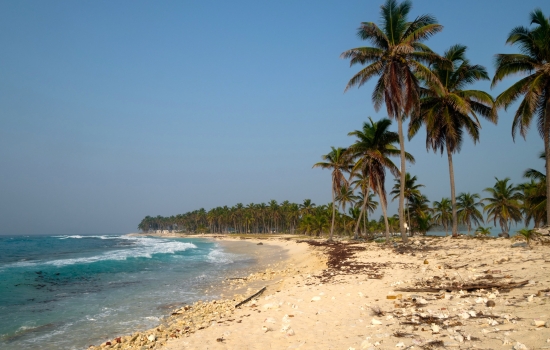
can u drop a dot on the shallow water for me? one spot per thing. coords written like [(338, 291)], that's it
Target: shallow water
[(68, 292)]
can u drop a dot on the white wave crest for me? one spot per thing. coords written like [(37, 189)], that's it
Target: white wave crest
[(144, 248), (100, 237), (218, 256)]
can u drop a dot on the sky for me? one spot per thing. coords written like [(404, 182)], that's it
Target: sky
[(114, 110)]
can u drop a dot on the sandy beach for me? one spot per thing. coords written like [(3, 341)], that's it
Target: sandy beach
[(435, 292)]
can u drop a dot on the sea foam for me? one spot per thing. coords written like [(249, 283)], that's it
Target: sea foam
[(144, 248)]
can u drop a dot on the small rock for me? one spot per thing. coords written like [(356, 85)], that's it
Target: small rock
[(435, 328), (400, 345), (490, 303), (315, 298), (151, 337), (375, 322), (519, 346), (538, 323), (426, 262)]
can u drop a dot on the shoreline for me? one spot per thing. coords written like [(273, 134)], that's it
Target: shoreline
[(373, 296), (281, 258)]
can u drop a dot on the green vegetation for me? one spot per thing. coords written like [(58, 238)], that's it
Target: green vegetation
[(433, 91)]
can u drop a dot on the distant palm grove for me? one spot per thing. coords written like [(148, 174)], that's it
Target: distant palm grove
[(433, 91)]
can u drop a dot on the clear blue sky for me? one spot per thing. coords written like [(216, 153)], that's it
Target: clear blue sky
[(113, 110)]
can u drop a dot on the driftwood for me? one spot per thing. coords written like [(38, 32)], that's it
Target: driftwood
[(251, 297), (236, 278), (466, 287)]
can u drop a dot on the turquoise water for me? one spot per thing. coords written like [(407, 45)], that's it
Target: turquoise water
[(68, 292)]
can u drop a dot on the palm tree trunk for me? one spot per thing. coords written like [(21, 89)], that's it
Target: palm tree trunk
[(333, 215), (402, 173), (383, 203), (365, 198), (453, 197), (547, 157)]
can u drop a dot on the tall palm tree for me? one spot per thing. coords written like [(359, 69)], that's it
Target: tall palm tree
[(534, 62), (450, 111), (370, 207), (339, 162), (372, 149), (411, 191), (467, 204), (397, 57), (443, 213), (504, 204)]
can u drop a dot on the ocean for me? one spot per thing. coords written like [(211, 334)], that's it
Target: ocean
[(69, 292)]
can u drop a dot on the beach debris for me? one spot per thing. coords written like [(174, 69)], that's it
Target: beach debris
[(258, 293), (266, 329), (151, 337), (490, 303), (270, 320), (538, 323), (375, 322), (400, 345), (376, 310), (316, 298)]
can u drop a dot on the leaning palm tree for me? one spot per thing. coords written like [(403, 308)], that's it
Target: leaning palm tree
[(534, 62), (467, 204), (451, 111), (443, 213), (504, 204), (397, 57), (339, 162), (372, 149), (411, 191)]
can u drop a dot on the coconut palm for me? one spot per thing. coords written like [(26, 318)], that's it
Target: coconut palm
[(411, 191), (372, 149), (346, 196), (451, 111), (421, 219), (483, 231), (534, 196), (370, 207), (397, 57), (504, 204), (534, 62), (467, 204), (339, 162), (443, 213), (307, 207)]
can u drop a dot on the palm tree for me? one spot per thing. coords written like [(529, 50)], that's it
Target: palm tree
[(443, 213), (534, 62), (483, 231), (372, 149), (397, 57), (411, 191), (467, 209), (307, 207), (340, 164), (370, 207), (450, 111), (534, 196), (421, 213), (504, 204), (346, 196)]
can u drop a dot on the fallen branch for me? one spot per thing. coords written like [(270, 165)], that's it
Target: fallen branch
[(251, 297), (236, 278), (465, 287)]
